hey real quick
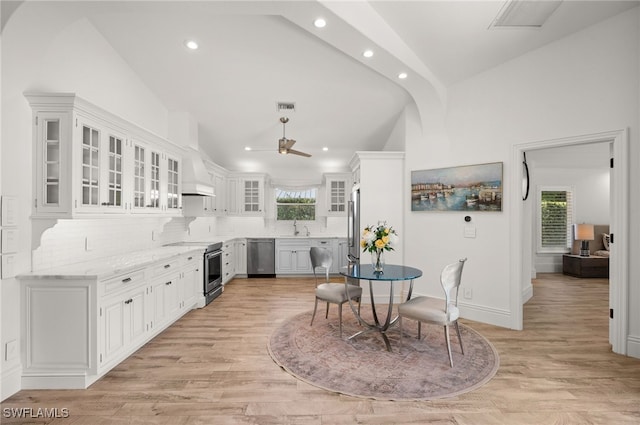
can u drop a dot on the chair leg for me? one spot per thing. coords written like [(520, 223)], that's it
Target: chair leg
[(315, 307), (446, 336), (326, 315), (419, 328), (400, 327), (459, 338), (340, 318)]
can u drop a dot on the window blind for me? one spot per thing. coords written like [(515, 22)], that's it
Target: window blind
[(556, 216)]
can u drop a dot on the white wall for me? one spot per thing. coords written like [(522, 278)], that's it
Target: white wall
[(586, 83), (41, 54)]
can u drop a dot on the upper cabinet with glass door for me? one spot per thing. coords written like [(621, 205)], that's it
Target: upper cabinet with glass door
[(338, 187), (156, 181), (89, 161)]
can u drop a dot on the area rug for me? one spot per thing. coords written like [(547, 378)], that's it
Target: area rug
[(362, 367)]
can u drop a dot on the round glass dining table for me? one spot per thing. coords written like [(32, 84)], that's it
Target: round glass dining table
[(392, 273)]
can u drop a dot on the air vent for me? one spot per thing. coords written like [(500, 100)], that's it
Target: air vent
[(525, 13), (286, 106)]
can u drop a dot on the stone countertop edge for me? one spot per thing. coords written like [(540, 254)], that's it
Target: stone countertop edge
[(115, 265), (112, 266)]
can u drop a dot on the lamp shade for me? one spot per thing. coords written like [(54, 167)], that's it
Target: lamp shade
[(583, 232)]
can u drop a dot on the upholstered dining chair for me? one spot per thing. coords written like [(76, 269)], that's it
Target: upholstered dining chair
[(433, 310), (331, 293)]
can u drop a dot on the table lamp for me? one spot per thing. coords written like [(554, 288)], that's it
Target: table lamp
[(584, 233)]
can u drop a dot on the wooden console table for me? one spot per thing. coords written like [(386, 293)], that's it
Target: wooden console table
[(578, 266)]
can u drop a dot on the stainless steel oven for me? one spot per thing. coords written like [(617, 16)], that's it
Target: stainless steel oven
[(212, 272)]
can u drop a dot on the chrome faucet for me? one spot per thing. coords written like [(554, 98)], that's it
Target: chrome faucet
[(307, 229), (295, 228)]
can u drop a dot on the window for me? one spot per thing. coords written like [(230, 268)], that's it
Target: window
[(296, 204), (555, 219)]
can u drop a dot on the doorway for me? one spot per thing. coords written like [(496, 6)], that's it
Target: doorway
[(521, 234)]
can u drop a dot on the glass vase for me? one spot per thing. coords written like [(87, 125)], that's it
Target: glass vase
[(377, 260)]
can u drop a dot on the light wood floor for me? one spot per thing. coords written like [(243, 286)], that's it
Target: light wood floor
[(212, 367)]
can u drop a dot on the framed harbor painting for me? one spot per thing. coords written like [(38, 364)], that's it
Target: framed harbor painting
[(465, 188)]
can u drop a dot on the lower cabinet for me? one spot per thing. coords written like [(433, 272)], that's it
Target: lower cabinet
[(241, 257), (76, 328), (123, 323), (292, 256), (228, 261)]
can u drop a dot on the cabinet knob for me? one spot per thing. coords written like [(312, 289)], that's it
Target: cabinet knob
[(168, 283), (126, 280)]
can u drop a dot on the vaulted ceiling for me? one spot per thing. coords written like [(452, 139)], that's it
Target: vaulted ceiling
[(253, 54)]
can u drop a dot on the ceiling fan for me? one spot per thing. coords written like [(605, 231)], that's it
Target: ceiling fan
[(284, 144)]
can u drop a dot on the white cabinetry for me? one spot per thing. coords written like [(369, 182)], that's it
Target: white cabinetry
[(76, 328), (89, 161), (338, 187), (292, 256), (338, 248), (245, 194), (241, 257), (228, 261), (123, 323), (340, 251), (234, 259), (219, 202)]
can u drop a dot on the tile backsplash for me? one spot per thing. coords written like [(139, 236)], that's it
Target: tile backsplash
[(77, 240)]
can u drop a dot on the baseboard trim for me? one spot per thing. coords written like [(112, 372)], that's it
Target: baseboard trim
[(633, 346), (35, 381), (479, 313), (527, 293), (11, 381)]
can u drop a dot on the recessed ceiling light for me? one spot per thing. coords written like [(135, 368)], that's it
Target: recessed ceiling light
[(325, 149), (367, 53), (320, 23), (191, 44), (247, 148), (402, 75)]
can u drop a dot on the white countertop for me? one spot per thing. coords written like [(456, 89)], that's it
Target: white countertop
[(114, 265), (129, 262)]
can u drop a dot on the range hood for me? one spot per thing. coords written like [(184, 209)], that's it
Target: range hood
[(196, 180)]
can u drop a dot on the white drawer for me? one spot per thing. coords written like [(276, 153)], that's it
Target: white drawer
[(166, 266), (123, 282)]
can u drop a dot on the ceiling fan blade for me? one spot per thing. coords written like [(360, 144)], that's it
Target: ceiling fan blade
[(289, 143), (295, 152)]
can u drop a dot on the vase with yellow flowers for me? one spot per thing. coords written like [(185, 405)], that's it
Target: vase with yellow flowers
[(377, 240)]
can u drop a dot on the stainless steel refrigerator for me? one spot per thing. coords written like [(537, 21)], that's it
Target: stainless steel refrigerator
[(353, 224)]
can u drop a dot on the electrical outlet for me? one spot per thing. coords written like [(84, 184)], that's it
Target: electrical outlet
[(11, 350), (468, 293)]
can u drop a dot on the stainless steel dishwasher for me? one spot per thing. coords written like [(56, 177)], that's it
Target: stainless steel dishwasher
[(261, 257)]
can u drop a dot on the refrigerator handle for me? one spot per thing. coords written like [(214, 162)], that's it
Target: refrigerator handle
[(350, 224)]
